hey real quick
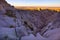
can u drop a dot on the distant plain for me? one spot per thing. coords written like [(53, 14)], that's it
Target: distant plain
[(36, 8)]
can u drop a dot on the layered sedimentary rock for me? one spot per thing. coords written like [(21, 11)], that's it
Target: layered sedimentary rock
[(19, 24)]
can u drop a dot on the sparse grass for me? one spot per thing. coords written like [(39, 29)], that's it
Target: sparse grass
[(11, 26), (6, 37), (26, 24), (10, 14)]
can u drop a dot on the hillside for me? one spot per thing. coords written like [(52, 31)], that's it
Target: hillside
[(22, 24)]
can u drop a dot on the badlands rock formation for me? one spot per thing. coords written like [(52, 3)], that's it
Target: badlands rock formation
[(27, 24)]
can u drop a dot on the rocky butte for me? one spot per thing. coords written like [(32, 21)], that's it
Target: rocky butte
[(28, 24)]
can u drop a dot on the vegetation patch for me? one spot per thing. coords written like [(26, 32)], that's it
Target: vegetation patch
[(10, 14)]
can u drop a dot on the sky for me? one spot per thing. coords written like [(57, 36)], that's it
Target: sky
[(54, 3)]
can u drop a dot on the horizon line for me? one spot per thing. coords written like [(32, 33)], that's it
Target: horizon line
[(37, 6)]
